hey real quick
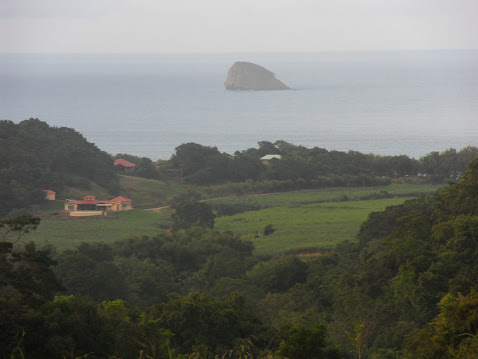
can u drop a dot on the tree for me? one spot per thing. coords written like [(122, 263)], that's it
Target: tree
[(17, 226), (201, 164), (203, 324), (307, 343), (69, 327), (269, 229), (453, 333), (267, 148), (27, 281), (190, 214), (279, 274)]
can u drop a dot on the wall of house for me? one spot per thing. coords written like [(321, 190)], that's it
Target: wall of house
[(87, 213), (67, 207), (50, 196)]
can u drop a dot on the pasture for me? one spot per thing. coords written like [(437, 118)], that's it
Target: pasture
[(317, 226), (67, 233), (304, 220)]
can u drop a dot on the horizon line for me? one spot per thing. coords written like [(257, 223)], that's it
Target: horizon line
[(244, 52)]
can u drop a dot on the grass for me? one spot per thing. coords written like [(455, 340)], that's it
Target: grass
[(329, 195), (304, 219), (66, 233), (310, 226), (90, 189), (147, 193)]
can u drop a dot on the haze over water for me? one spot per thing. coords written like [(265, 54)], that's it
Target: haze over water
[(387, 103)]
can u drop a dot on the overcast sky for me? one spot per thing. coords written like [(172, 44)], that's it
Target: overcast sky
[(218, 26)]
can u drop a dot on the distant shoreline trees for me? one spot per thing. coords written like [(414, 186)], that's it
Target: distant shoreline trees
[(311, 167)]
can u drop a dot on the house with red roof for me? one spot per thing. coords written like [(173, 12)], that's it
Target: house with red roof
[(90, 206), (49, 195), (124, 166)]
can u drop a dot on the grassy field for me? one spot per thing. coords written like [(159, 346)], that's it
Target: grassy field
[(329, 195), (310, 226), (66, 233), (147, 193), (306, 219)]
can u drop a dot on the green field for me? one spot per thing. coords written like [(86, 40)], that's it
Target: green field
[(147, 193), (65, 233), (330, 195), (315, 219), (310, 226)]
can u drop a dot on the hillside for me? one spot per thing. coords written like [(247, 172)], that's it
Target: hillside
[(36, 156)]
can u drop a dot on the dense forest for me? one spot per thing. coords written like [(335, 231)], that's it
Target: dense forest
[(407, 288)]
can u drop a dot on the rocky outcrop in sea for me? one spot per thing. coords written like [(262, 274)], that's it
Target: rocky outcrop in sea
[(249, 76)]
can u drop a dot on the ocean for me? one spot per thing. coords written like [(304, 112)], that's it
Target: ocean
[(386, 103)]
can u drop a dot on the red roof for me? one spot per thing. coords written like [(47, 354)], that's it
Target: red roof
[(124, 163), (95, 201), (86, 201), (49, 191), (120, 199)]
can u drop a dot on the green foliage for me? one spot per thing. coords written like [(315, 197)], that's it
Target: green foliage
[(27, 272), (448, 164), (145, 270), (144, 167), (457, 198), (187, 195), (453, 333), (410, 258), (279, 274), (200, 164), (27, 281), (206, 325), (301, 343), (17, 226), (88, 274), (190, 214), (301, 167), (70, 327), (230, 209)]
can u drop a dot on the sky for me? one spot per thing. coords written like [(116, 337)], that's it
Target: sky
[(224, 26)]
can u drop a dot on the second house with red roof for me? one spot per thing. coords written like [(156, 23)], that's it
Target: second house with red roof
[(90, 206)]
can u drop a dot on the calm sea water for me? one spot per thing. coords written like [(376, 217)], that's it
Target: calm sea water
[(385, 103)]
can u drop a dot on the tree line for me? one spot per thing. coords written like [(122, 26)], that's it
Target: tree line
[(310, 167)]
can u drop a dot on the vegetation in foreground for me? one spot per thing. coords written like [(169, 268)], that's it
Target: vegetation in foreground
[(407, 289)]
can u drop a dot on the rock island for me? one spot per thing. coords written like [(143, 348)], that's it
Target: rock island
[(249, 76)]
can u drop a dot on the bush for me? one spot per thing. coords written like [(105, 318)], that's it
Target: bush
[(269, 230)]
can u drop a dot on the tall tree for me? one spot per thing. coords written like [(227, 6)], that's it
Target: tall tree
[(190, 214)]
